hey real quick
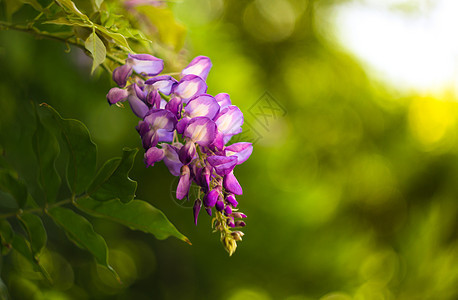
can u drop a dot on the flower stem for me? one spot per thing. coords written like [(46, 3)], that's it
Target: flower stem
[(68, 39)]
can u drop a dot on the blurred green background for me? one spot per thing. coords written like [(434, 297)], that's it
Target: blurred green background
[(351, 191)]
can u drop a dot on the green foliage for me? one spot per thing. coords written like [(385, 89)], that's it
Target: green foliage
[(137, 215), (46, 148), (36, 232), (80, 231), (111, 183), (14, 186), (112, 179), (82, 151)]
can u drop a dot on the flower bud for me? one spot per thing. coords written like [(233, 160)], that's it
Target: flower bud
[(196, 209), (211, 198), (240, 224), (231, 200), (209, 211), (219, 205), (238, 215), (228, 210)]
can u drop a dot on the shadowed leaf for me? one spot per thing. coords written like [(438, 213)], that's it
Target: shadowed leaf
[(14, 186), (80, 231), (137, 214), (47, 150), (35, 231), (112, 180), (83, 152)]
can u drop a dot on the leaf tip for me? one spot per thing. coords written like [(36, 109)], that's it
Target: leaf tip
[(187, 241)]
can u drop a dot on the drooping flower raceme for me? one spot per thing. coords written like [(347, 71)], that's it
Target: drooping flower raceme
[(189, 131)]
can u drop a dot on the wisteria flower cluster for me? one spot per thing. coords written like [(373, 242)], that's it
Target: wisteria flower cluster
[(189, 130)]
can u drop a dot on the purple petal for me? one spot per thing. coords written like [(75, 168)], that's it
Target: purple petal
[(206, 177), (161, 119), (116, 95), (141, 94), (153, 155), (218, 142), (231, 184), (189, 87), (231, 200), (229, 120), (139, 107), (228, 210), (202, 106), (184, 183), (209, 211), (153, 99), (242, 150), (219, 205), (171, 159), (121, 74), (196, 209), (187, 152), (164, 135), (223, 100), (199, 66), (181, 125), (211, 198), (223, 165), (145, 63), (200, 130), (163, 83), (175, 106)]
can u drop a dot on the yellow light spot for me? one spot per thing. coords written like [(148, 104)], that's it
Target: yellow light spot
[(431, 120)]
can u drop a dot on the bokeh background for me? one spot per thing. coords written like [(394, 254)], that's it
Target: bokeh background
[(351, 191)]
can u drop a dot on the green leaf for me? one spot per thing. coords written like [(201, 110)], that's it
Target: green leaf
[(137, 214), (118, 38), (170, 31), (98, 3), (83, 152), (71, 7), (63, 21), (6, 236), (14, 5), (21, 245), (14, 186), (112, 180), (47, 150), (80, 230), (96, 47), (34, 4), (35, 231)]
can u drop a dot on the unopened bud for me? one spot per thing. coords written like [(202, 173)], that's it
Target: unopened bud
[(240, 224)]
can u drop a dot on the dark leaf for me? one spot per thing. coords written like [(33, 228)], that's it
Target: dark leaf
[(80, 230), (82, 152), (137, 214), (47, 150), (112, 180), (35, 231), (14, 186)]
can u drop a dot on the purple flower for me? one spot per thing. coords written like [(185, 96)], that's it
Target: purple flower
[(189, 87), (229, 122), (196, 209), (121, 74), (145, 63), (199, 66), (116, 95), (241, 150), (223, 100), (231, 184), (223, 165), (163, 83), (184, 183), (139, 107), (200, 130)]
